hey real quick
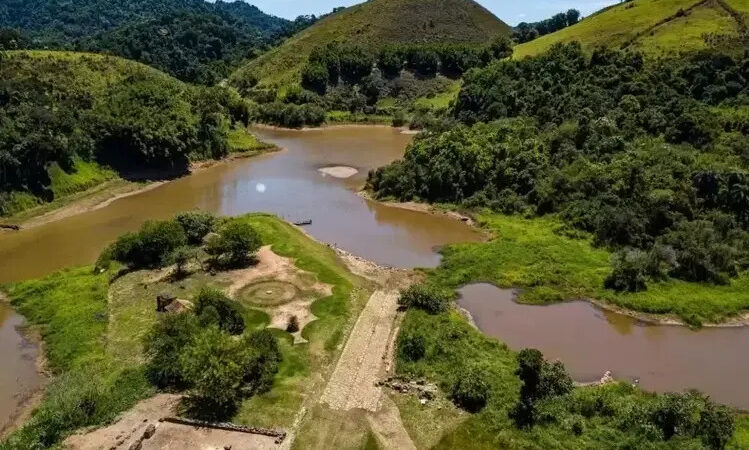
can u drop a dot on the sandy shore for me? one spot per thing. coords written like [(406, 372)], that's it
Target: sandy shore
[(338, 171), (422, 207)]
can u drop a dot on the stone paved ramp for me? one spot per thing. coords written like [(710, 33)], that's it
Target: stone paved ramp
[(362, 361)]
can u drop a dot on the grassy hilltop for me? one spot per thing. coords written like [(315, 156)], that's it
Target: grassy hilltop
[(657, 27), (377, 23)]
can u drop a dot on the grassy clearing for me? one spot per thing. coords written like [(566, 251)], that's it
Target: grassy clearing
[(441, 101), (534, 255), (93, 336), (84, 175), (651, 25), (242, 141), (346, 117)]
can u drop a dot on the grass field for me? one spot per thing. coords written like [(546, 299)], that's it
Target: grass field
[(531, 254), (376, 23), (657, 27), (93, 331), (242, 141)]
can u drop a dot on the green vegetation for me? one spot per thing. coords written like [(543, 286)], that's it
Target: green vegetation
[(657, 27), (525, 31), (372, 25), (95, 345), (101, 111), (521, 401), (641, 164), (242, 141), (193, 40), (425, 297)]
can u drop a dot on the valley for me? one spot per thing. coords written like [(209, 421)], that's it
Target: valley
[(402, 224)]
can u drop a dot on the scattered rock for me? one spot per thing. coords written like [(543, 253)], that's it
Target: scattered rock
[(150, 431)]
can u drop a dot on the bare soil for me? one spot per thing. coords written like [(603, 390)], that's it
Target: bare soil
[(272, 267), (133, 426)]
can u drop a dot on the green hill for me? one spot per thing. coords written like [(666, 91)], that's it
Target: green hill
[(657, 27), (377, 23), (65, 117)]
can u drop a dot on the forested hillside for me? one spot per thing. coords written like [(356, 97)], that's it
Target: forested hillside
[(73, 113), (374, 24), (657, 28), (193, 40), (652, 158), (60, 22)]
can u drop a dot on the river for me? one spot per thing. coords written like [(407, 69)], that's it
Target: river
[(590, 341), (290, 184)]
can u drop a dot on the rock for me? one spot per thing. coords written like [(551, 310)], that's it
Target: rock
[(150, 431), (423, 401)]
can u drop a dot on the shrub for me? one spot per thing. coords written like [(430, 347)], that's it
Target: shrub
[(716, 426), (164, 343), (229, 313), (471, 390), (411, 346), (196, 224), (629, 272), (315, 77), (541, 380), (399, 118), (293, 325), (431, 299)]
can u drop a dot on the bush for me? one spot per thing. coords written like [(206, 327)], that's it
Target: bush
[(196, 224), (541, 380), (431, 299), (399, 118), (629, 272), (229, 312), (162, 346), (411, 346), (293, 325), (151, 246), (471, 390)]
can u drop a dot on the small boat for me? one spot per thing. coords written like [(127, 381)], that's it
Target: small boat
[(301, 223)]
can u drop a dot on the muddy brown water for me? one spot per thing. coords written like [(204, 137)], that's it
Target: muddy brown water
[(287, 183), (19, 378), (590, 341)]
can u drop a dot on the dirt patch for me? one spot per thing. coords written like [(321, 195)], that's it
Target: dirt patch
[(338, 171), (422, 207), (274, 270), (387, 425), (141, 428)]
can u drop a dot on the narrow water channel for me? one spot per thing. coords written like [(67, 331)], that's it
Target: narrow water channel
[(590, 341)]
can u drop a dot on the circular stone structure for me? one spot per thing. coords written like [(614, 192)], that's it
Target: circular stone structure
[(269, 293), (338, 171)]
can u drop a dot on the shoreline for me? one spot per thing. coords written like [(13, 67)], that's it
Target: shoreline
[(337, 126), (104, 195)]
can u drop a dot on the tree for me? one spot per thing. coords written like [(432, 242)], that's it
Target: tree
[(150, 247), (181, 256), (315, 77), (501, 47), (163, 345), (541, 380), (629, 271), (212, 365), (196, 224), (239, 241), (229, 312), (390, 61)]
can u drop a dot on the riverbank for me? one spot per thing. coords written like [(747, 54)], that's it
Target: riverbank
[(105, 194)]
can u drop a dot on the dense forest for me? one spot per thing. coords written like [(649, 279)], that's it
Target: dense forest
[(193, 40), (199, 48), (650, 157), (92, 108), (350, 78)]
